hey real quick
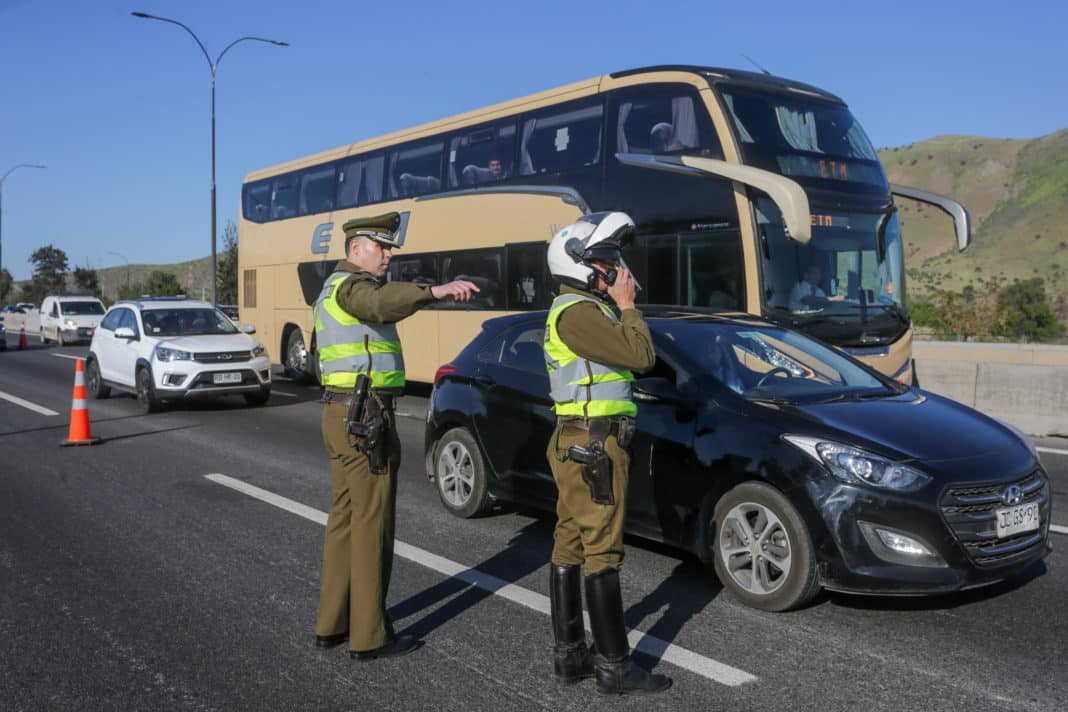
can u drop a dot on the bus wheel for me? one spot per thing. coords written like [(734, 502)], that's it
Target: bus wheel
[(296, 363)]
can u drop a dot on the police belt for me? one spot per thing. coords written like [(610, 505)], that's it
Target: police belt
[(386, 399), (621, 426)]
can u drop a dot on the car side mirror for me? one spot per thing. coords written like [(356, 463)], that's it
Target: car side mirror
[(125, 332), (249, 329), (658, 389)]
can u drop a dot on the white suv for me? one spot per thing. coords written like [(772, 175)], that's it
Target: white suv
[(172, 348)]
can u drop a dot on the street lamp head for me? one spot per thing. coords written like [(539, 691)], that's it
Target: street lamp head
[(280, 43), (142, 14)]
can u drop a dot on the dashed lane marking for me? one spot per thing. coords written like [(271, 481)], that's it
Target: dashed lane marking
[(1058, 529), (669, 652), (276, 392), (72, 358), (1052, 450), (26, 404)]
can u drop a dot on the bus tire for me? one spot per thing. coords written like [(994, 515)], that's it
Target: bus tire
[(297, 357)]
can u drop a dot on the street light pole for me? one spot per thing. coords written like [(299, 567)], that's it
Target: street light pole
[(2, 179), (213, 66)]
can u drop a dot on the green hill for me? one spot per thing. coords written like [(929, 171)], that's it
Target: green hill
[(194, 276), (1017, 193)]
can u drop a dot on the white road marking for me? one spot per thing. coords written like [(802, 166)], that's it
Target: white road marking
[(1058, 529), (669, 652), (26, 404), (1055, 451), (72, 358), (276, 392)]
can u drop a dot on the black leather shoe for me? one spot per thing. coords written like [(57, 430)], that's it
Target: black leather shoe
[(401, 645), (331, 641)]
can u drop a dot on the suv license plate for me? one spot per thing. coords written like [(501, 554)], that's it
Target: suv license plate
[(1014, 520), (228, 378)]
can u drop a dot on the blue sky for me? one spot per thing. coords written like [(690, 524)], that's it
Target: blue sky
[(118, 108)]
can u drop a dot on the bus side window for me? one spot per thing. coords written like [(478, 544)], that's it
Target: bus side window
[(420, 269), (666, 119), (258, 201), (528, 278), (317, 189), (415, 169), (483, 267), (360, 181), (483, 154), (284, 196), (561, 139)]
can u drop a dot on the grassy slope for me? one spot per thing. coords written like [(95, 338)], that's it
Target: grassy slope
[(1017, 193), (193, 276)]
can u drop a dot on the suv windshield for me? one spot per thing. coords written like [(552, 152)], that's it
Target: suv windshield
[(186, 322), (767, 363), (81, 308)]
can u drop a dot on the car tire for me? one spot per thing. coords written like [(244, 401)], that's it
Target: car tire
[(94, 382), (460, 475), (59, 338), (146, 392), (762, 550), (297, 359), (254, 400)]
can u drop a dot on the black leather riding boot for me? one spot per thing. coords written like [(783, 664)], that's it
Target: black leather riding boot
[(571, 657), (616, 672)]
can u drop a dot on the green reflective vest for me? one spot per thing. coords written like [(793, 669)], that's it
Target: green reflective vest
[(578, 386), (347, 347)]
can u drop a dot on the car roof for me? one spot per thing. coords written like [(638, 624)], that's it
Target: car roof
[(659, 314), (149, 303)]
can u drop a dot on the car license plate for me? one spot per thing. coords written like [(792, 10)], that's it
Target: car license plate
[(228, 378), (1015, 520)]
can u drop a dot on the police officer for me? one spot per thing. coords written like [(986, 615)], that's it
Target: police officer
[(590, 353), (356, 333)]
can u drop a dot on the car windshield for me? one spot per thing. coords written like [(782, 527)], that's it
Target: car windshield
[(81, 308), (186, 322), (763, 363)]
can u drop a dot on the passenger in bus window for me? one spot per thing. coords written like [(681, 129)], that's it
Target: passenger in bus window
[(807, 294), (356, 333)]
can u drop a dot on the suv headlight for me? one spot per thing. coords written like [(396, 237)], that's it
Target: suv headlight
[(258, 350), (165, 354), (855, 466)]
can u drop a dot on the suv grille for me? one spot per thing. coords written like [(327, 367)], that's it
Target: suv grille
[(222, 357), (970, 513)]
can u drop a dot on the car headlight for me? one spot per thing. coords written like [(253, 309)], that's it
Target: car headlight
[(258, 350), (69, 322), (165, 354), (855, 466)]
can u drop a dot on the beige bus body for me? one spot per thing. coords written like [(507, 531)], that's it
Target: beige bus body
[(272, 299)]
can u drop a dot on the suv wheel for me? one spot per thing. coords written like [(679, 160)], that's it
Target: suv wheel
[(257, 399), (94, 382), (460, 474), (146, 392), (763, 552)]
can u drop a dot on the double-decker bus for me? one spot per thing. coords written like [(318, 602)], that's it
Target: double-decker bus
[(751, 193)]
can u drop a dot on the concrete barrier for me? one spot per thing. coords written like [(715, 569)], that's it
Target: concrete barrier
[(13, 320), (1023, 384)]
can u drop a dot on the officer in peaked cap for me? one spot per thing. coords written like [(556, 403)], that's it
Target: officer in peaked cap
[(356, 333)]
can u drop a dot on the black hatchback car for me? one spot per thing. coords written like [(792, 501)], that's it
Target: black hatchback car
[(788, 464)]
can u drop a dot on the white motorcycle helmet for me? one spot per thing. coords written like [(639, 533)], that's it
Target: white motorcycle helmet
[(597, 236)]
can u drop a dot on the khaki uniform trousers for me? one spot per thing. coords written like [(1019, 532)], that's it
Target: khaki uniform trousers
[(587, 533), (358, 546)]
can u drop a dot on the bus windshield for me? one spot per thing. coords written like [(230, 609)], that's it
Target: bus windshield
[(849, 274), (816, 142)]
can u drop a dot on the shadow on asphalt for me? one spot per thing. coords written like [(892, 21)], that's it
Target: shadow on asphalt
[(943, 602)]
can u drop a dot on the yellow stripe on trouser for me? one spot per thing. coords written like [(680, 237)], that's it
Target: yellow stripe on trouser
[(587, 533), (358, 545)]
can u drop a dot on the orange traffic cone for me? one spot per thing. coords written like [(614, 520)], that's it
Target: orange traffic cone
[(22, 337), (79, 411)]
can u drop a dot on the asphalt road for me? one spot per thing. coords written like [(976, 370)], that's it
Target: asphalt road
[(130, 580)]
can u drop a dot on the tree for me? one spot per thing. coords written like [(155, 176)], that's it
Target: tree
[(87, 280), (226, 274), (49, 274), (7, 284), (970, 313), (158, 284), (1024, 312)]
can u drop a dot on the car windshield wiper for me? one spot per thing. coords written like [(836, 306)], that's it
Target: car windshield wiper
[(892, 309)]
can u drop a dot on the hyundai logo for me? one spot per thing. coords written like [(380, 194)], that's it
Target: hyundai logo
[(1012, 495)]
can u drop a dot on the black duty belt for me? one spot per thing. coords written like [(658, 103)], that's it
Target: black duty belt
[(330, 398), (622, 426)]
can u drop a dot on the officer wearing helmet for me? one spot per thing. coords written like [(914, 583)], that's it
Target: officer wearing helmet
[(356, 335), (591, 353)]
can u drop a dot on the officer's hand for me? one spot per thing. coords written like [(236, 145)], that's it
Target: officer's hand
[(459, 289), (624, 289)]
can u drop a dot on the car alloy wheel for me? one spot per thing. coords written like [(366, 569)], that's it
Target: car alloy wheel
[(763, 552), (95, 382), (461, 474), (146, 392)]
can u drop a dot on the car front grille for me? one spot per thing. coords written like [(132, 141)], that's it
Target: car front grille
[(970, 513), (223, 357)]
